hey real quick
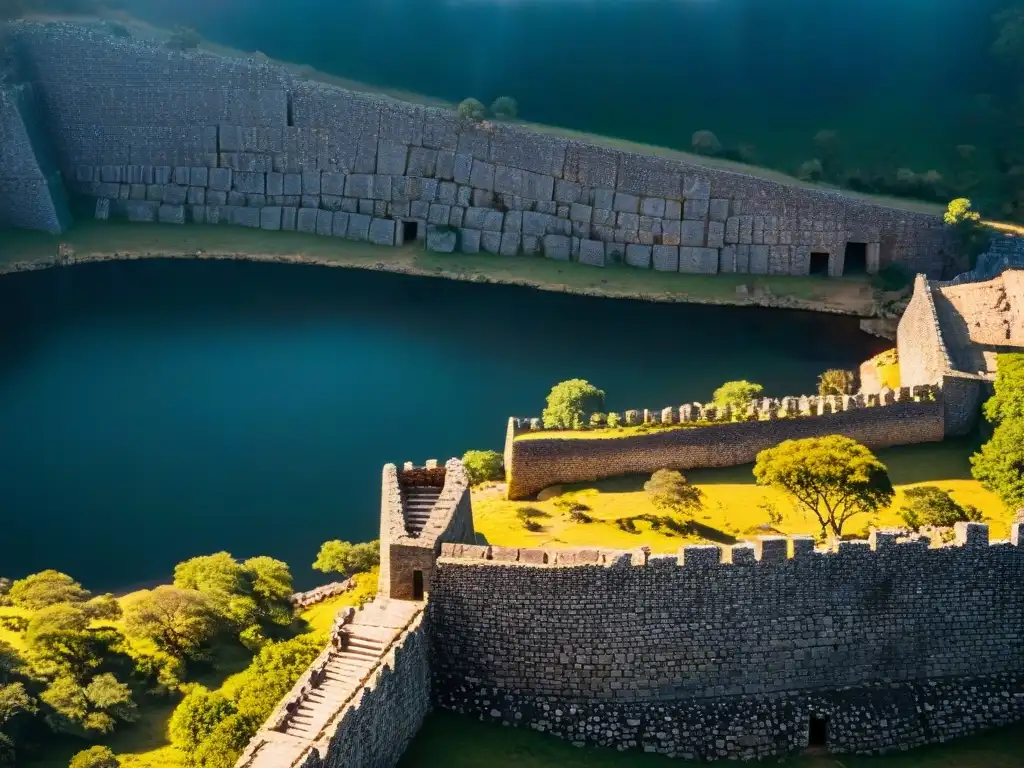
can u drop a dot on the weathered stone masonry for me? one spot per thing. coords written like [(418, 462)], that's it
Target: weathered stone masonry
[(876, 421), (892, 643), (158, 135)]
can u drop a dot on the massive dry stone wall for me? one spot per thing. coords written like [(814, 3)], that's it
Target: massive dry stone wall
[(158, 135), (731, 652), (876, 421), (31, 193)]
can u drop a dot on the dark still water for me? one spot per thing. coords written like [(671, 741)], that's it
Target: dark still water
[(894, 77), (153, 411)]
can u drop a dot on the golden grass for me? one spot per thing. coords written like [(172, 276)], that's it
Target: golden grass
[(735, 509)]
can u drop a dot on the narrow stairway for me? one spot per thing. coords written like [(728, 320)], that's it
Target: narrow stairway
[(345, 672), (417, 501)]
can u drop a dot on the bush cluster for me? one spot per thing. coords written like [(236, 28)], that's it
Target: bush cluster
[(999, 465)]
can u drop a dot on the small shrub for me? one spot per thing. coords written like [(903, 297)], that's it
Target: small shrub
[(569, 401), (482, 466), (705, 143), (668, 489), (252, 639), (505, 107), (736, 394), (836, 381), (598, 419), (614, 420), (472, 109), (95, 757)]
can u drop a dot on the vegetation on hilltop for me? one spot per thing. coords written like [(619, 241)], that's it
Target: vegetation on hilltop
[(570, 403), (482, 466), (999, 465)]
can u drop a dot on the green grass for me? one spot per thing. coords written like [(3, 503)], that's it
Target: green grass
[(735, 508), (853, 295), (452, 741)]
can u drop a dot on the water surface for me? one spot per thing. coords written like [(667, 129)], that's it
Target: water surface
[(153, 411)]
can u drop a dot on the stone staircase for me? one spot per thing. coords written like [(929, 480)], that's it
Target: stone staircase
[(344, 673), (417, 503)]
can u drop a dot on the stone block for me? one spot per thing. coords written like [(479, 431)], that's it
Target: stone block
[(324, 222), (557, 247), (513, 222), (438, 214), (698, 261), (509, 243), (270, 218), (419, 209), (331, 202), (568, 192), (482, 176), (537, 186), (695, 209), (423, 162), (175, 195), (391, 157), (638, 256), (716, 234), (236, 199), (292, 184), (653, 206), (490, 242), (482, 198), (288, 214), (628, 221), (330, 184), (673, 210), (771, 549), (447, 193), (666, 258), (469, 240), (604, 199), (718, 210), (441, 240), (592, 253), (196, 195), (759, 259), (311, 183), (171, 214), (625, 203), (199, 177), (382, 232), (463, 168), (691, 233), (162, 174), (181, 176), (445, 168), (358, 226), (339, 224), (216, 197), (102, 209), (493, 221), (275, 183), (360, 185), (696, 187), (455, 217)]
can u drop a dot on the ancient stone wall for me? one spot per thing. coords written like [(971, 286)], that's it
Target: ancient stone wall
[(703, 439), (730, 652), (922, 351), (172, 137), (31, 193)]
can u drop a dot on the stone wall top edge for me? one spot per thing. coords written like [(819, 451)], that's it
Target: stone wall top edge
[(972, 540), (767, 187)]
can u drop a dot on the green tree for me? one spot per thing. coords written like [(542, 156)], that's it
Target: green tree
[(505, 107), (346, 558), (835, 381), (669, 490), (272, 585), (107, 693), (972, 237), (569, 403), (95, 757), (482, 466), (179, 621), (999, 465), (55, 619), (833, 478), (224, 745), (736, 394), (472, 109), (93, 708), (46, 588), (225, 584), (1008, 401), (932, 506), (103, 608), (196, 716)]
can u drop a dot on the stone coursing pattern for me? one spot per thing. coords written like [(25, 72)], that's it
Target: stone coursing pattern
[(169, 136), (895, 643), (451, 520), (31, 194), (536, 463)]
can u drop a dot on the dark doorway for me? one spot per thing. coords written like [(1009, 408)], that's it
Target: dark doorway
[(856, 259), (417, 585), (818, 733), (410, 229), (819, 264)]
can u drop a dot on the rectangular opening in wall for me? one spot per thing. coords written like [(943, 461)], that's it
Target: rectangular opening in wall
[(417, 585), (855, 261), (291, 113), (819, 264), (410, 230), (818, 732)]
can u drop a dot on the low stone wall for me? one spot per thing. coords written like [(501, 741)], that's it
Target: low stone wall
[(319, 594), (876, 421), (729, 652)]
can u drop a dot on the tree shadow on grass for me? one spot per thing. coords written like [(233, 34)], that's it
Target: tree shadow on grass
[(710, 533)]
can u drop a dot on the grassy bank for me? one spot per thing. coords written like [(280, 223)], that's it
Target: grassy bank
[(735, 508), (452, 741), (102, 241)]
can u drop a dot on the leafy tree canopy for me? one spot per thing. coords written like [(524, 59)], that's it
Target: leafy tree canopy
[(95, 757), (103, 608), (46, 588), (930, 505), (271, 579), (196, 716), (55, 619), (833, 478), (999, 465), (669, 490), (180, 621), (1008, 401), (484, 465), (836, 381), (472, 109), (346, 558), (736, 394), (569, 402), (505, 107)]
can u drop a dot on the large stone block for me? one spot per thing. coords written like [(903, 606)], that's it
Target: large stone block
[(245, 217), (311, 183), (422, 162), (358, 226), (270, 217), (718, 209), (324, 222), (701, 261), (292, 184), (391, 157), (275, 183), (653, 207), (198, 177), (493, 221), (625, 203), (557, 247), (382, 232), (604, 199), (482, 176), (536, 224), (716, 234), (331, 184), (288, 214), (759, 255), (695, 209), (592, 253), (509, 243), (537, 186), (463, 167), (568, 192), (666, 258), (469, 240), (360, 185), (508, 181), (639, 256), (691, 233), (490, 242), (339, 224)]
